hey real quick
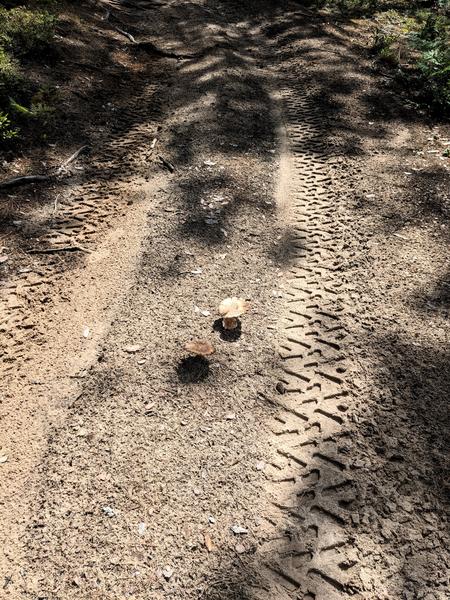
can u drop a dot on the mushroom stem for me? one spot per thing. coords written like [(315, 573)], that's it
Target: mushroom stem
[(230, 322)]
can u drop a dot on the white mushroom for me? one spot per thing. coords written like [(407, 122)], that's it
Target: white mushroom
[(231, 309)]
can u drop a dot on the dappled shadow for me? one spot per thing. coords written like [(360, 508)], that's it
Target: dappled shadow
[(236, 129), (414, 412), (334, 78), (95, 73)]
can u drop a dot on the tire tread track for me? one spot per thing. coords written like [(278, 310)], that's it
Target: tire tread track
[(310, 483)]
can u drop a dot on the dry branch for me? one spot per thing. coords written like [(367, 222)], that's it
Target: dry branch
[(126, 34), (25, 180), (61, 249), (74, 156), (167, 164)]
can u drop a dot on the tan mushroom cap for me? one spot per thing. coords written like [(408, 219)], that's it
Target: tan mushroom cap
[(231, 308), (200, 347)]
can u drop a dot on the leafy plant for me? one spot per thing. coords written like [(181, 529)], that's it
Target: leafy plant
[(383, 46), (38, 110), (23, 30), (7, 130)]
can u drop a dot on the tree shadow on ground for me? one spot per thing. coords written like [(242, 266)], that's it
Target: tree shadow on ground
[(242, 121), (295, 36)]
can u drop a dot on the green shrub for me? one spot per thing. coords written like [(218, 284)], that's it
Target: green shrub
[(384, 46), (9, 77), (22, 30), (432, 42), (7, 130), (9, 69)]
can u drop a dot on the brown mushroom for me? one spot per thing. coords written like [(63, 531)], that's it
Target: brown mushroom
[(200, 347), (231, 309)]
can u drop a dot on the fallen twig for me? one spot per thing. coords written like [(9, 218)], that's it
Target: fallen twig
[(167, 164), (26, 179), (74, 156), (60, 249), (126, 34), (150, 47)]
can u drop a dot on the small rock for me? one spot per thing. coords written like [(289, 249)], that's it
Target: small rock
[(132, 348), (14, 302), (109, 512), (280, 388), (167, 573), (212, 520), (355, 518), (238, 530), (141, 528), (230, 416), (240, 548), (197, 491), (260, 466)]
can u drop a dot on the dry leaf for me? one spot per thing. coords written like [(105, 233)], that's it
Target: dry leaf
[(209, 543), (200, 347)]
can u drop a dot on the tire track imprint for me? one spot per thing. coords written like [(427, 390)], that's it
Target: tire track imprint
[(83, 213), (310, 482)]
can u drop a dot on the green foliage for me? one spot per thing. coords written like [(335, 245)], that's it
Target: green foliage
[(22, 30), (9, 70), (42, 106), (383, 47), (7, 130), (418, 43), (413, 36)]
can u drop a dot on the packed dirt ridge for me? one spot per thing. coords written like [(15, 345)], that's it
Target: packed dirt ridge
[(256, 154)]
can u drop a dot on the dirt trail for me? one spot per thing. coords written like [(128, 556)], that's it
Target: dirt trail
[(128, 470)]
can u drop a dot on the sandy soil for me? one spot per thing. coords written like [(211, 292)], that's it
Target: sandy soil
[(308, 457)]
